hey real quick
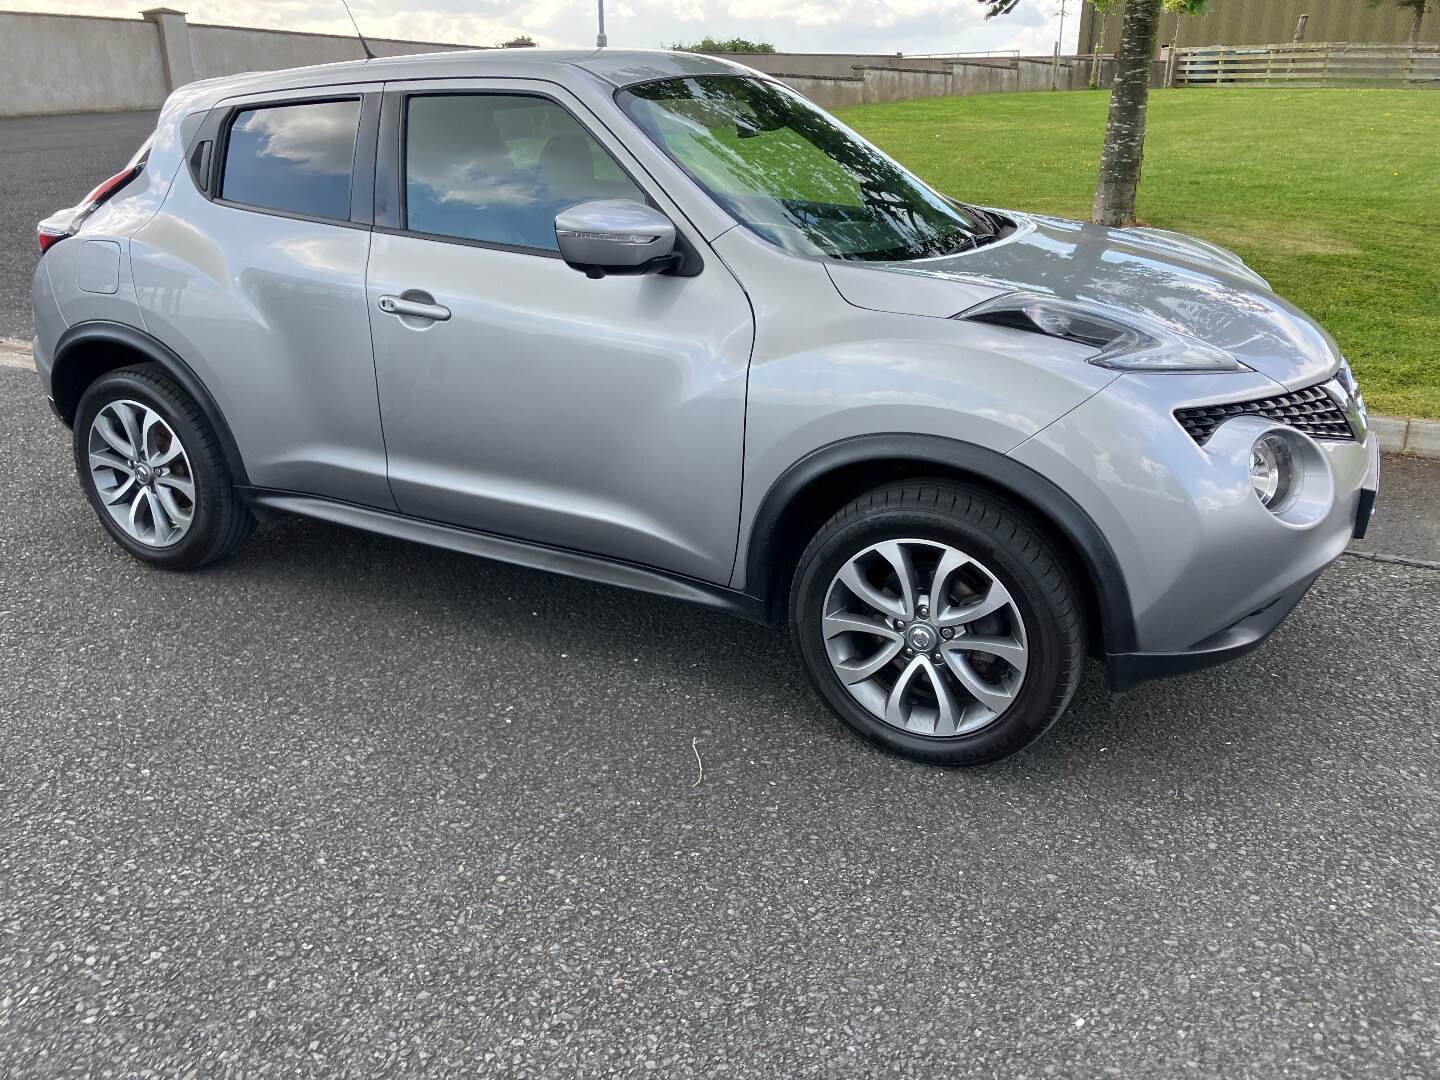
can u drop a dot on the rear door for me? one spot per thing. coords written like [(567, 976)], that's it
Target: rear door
[(254, 272), (605, 416)]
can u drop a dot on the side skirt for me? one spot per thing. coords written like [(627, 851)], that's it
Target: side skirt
[(504, 549)]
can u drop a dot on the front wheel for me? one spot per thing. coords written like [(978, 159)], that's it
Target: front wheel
[(939, 622)]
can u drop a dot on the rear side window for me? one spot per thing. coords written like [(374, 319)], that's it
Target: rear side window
[(498, 168), (294, 158)]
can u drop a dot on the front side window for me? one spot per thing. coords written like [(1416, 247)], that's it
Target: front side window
[(795, 176), (497, 168), (295, 158)]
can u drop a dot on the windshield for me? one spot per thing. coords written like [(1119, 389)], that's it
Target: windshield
[(795, 176)]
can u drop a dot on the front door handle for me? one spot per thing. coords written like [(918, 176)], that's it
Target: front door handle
[(413, 309)]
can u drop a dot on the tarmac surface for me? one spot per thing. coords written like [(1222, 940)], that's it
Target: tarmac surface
[(343, 806)]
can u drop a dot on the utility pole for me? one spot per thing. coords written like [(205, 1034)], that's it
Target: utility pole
[(600, 41), (1055, 68)]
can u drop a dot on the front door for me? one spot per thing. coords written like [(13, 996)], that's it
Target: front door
[(521, 398)]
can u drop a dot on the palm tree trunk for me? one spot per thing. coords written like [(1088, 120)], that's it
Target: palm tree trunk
[(1125, 128), (1415, 23)]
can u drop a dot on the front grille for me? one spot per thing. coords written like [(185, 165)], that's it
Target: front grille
[(1311, 410)]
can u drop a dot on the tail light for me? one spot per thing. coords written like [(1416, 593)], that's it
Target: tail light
[(55, 228), (48, 235)]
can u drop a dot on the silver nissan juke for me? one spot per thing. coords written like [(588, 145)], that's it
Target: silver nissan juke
[(653, 319)]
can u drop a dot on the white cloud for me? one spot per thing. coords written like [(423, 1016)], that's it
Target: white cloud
[(318, 140)]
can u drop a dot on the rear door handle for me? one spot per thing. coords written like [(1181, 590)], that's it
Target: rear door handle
[(413, 309)]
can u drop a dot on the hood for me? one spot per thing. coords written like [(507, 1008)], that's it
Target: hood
[(1188, 285)]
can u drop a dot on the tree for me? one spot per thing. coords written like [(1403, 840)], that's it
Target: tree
[(1417, 6), (1099, 44), (1124, 149), (524, 41), (708, 44)]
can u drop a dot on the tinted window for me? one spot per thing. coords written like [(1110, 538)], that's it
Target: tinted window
[(498, 168), (293, 157)]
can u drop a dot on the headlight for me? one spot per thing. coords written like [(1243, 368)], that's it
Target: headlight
[(1125, 342), (1272, 472), (1346, 378)]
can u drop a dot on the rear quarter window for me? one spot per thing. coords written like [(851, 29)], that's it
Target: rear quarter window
[(293, 158)]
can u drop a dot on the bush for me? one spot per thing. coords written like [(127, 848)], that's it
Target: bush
[(708, 44)]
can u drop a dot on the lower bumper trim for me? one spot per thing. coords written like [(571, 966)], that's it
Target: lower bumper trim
[(1365, 509), (1363, 512), (1127, 670)]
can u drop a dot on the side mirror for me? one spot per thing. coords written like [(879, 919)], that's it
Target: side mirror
[(616, 236)]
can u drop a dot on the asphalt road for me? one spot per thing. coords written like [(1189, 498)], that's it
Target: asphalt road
[(48, 163), (345, 806)]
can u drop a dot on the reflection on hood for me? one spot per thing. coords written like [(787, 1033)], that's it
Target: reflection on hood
[(1186, 284)]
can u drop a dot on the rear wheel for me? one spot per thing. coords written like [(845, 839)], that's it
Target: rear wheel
[(938, 621), (152, 469)]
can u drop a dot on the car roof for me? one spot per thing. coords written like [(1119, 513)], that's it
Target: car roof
[(618, 67)]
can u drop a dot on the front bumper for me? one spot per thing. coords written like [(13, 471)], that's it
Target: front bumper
[(1209, 570), (1127, 670)]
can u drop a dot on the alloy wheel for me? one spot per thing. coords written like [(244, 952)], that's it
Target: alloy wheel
[(925, 637), (141, 473)]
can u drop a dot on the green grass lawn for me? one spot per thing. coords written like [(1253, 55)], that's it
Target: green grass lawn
[(1332, 195)]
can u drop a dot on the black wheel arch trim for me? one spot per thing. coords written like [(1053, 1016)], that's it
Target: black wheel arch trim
[(100, 331), (1058, 509)]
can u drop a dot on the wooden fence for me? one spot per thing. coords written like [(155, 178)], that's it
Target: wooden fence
[(1308, 65)]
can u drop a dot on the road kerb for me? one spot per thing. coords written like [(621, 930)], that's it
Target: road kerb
[(1401, 435), (16, 354)]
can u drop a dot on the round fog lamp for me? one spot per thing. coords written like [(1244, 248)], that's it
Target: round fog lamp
[(1272, 472)]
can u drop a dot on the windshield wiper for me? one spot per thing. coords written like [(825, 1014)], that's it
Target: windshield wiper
[(994, 222), (956, 244)]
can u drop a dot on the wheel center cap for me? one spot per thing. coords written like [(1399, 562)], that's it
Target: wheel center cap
[(143, 473), (921, 638)]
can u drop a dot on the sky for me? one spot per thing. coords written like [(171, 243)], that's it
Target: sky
[(873, 26)]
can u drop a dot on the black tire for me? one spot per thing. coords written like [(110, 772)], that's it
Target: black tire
[(1018, 554), (220, 521)]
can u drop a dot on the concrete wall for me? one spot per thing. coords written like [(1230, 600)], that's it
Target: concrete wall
[(827, 91), (68, 63), (901, 82), (227, 50), (832, 65), (834, 80), (75, 63), (62, 63)]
